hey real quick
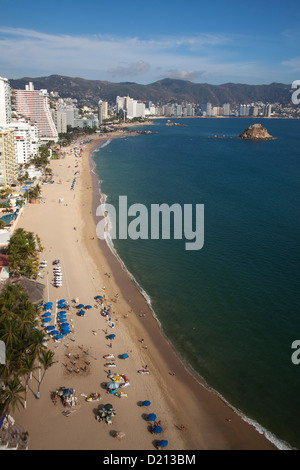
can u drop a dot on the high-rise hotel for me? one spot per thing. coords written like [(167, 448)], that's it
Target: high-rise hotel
[(33, 105), (5, 101)]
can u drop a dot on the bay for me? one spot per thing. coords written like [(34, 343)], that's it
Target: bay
[(231, 309)]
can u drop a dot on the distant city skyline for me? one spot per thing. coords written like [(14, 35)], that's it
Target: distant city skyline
[(212, 42)]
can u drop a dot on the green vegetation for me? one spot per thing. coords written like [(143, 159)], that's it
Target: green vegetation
[(23, 253), (25, 349), (33, 193)]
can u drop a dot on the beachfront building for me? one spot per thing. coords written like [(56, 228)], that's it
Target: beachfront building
[(102, 111), (226, 109), (26, 140), (34, 105), (8, 158), (59, 117), (5, 101)]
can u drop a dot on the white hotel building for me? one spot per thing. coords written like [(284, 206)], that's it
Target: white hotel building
[(33, 105)]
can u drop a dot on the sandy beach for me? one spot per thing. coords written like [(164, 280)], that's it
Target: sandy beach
[(68, 232)]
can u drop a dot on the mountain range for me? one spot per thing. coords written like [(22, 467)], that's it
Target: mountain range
[(89, 92)]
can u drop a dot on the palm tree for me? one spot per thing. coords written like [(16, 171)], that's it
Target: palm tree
[(9, 333), (10, 396), (46, 359), (26, 369)]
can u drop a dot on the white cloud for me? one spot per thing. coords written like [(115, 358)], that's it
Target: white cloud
[(184, 74), (294, 64), (137, 68)]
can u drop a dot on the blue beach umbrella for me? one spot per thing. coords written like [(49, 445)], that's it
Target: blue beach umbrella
[(152, 417), (48, 305), (51, 327), (111, 336), (88, 306), (162, 443), (47, 320), (80, 306), (62, 312), (112, 386), (157, 429), (98, 297), (54, 332), (59, 336), (146, 403), (81, 312), (62, 301), (124, 356), (48, 314), (64, 324)]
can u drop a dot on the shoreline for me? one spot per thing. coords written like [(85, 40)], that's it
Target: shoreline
[(179, 399)]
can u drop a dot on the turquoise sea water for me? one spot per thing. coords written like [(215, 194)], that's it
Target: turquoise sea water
[(231, 309)]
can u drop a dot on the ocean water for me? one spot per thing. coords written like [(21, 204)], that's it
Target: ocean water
[(231, 309)]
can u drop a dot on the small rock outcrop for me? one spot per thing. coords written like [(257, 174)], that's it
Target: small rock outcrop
[(256, 132)]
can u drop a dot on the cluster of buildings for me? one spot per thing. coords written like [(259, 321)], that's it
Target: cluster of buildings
[(25, 122)]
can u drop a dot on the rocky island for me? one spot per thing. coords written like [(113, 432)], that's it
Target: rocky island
[(256, 132)]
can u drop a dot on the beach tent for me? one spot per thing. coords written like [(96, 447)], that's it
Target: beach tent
[(151, 417)]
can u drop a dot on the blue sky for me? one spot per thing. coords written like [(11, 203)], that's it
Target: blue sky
[(214, 42)]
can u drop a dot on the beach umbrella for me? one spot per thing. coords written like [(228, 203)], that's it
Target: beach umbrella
[(88, 306), (80, 306), (59, 336), (146, 403), (157, 429), (111, 336), (62, 312), (48, 314), (112, 386), (62, 301), (108, 406), (48, 305), (124, 356), (51, 327), (152, 417), (98, 297), (81, 312), (54, 332), (47, 320), (162, 443)]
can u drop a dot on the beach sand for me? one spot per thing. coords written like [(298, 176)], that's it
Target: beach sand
[(177, 398)]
